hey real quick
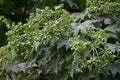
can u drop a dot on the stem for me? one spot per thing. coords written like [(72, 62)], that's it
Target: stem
[(98, 73), (10, 77), (98, 66)]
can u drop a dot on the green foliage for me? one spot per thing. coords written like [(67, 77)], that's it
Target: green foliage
[(106, 7), (91, 49), (5, 58), (54, 45), (43, 3), (16, 10), (3, 30), (75, 5), (108, 22), (46, 26), (49, 29)]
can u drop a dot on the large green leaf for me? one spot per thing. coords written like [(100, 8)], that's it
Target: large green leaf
[(115, 67)]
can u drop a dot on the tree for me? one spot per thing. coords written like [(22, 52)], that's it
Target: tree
[(55, 44)]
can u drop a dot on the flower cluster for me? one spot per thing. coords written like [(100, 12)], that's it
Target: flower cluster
[(91, 49)]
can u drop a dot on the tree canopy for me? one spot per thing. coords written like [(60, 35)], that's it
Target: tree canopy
[(60, 40)]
